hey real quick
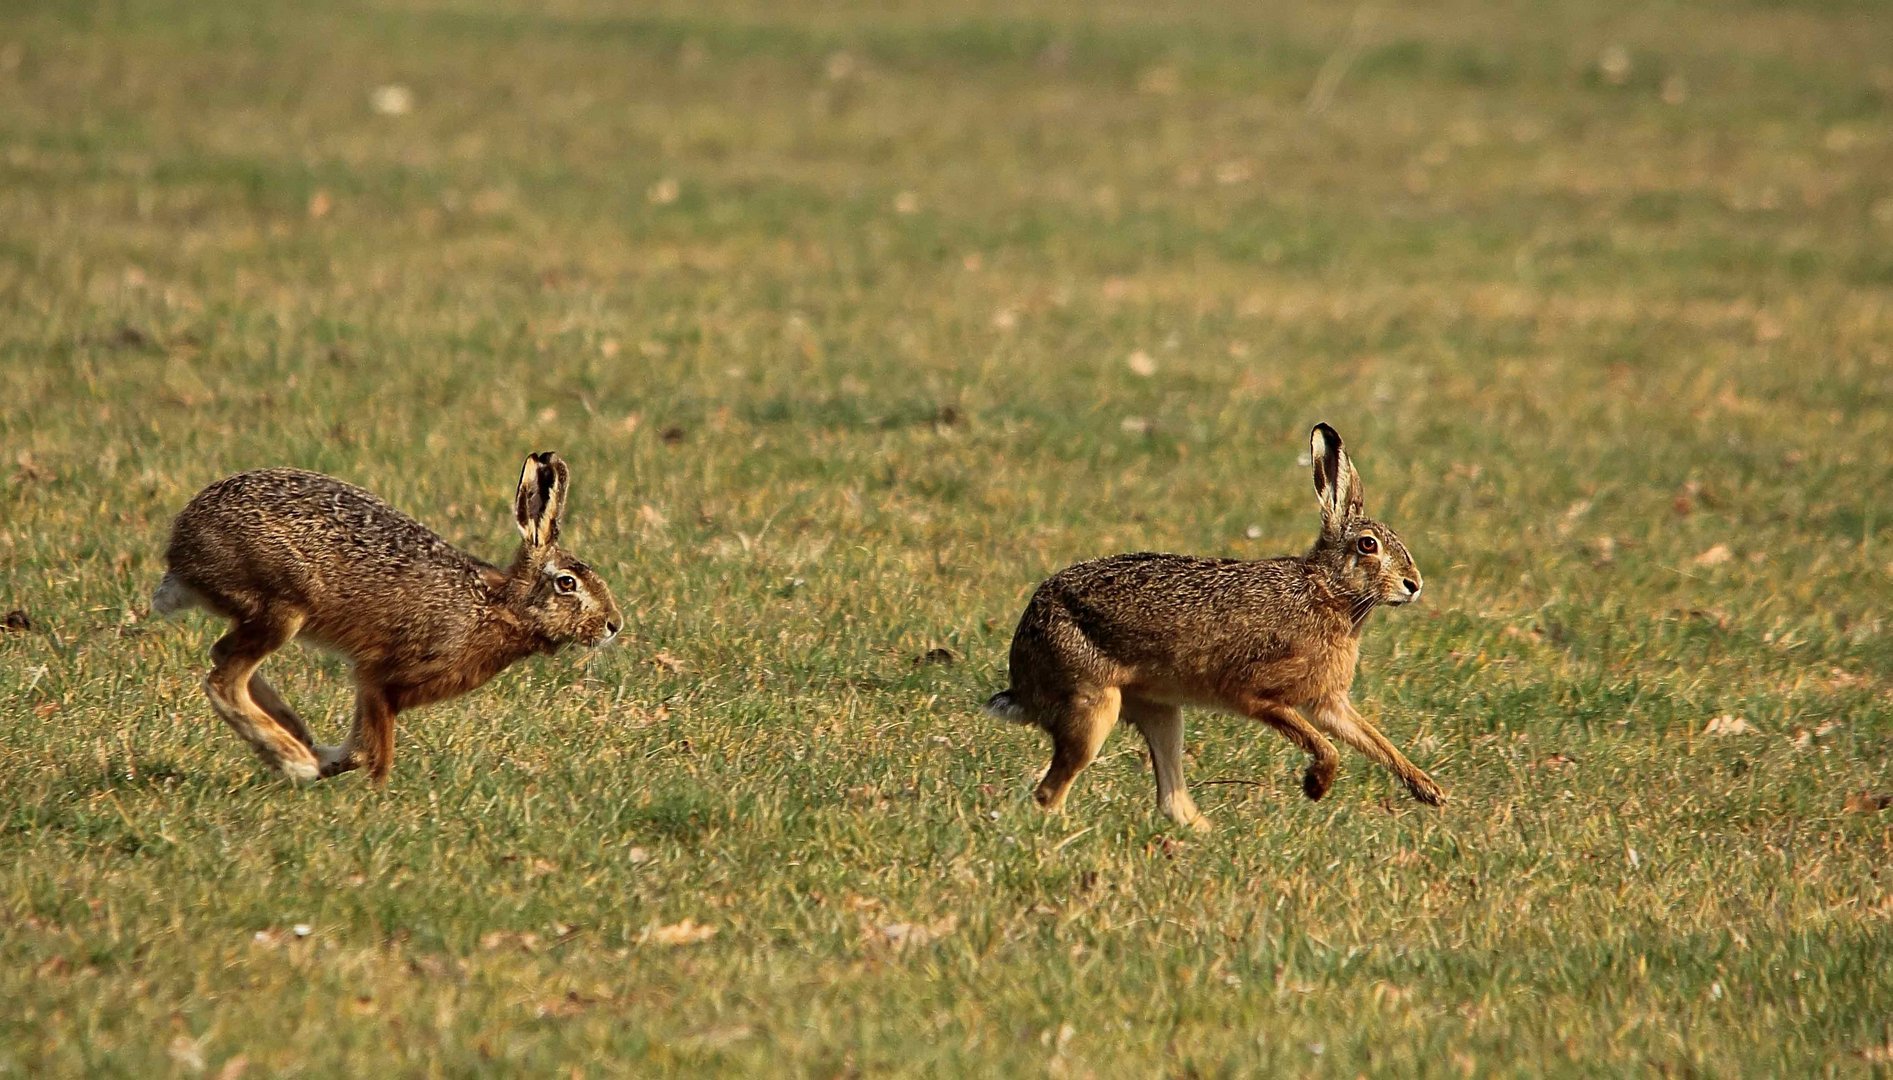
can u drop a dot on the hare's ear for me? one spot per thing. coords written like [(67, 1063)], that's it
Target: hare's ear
[(1337, 485), (541, 498)]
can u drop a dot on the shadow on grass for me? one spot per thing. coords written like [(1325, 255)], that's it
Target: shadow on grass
[(685, 815), (87, 795)]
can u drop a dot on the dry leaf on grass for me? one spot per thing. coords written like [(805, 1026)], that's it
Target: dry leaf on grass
[(1603, 550), (1715, 617), (527, 941), (1715, 556), (717, 1038), (1061, 1039), (1727, 724), (572, 1004), (901, 934), (688, 932), (272, 938), (27, 469), (187, 1052), (1840, 679), (1877, 1055), (1868, 802), (1803, 738)]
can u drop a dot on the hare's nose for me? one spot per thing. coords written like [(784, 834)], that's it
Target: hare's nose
[(1413, 587), (611, 626)]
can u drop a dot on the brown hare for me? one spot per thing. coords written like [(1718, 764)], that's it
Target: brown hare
[(1275, 640), (284, 553)]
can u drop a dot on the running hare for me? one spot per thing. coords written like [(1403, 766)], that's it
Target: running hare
[(285, 553), (1276, 640)]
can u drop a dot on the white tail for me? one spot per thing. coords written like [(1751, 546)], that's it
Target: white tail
[(172, 596), (1002, 706)]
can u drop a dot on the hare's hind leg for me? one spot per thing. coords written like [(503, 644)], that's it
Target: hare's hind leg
[(234, 660), (1077, 726), (1162, 728), (1322, 758), (1339, 718), (272, 703)]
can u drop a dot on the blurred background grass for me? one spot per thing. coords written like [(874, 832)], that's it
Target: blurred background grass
[(856, 321)]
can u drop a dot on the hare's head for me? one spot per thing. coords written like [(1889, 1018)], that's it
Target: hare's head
[(559, 595), (1366, 561)]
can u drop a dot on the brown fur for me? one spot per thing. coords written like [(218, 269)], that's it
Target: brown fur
[(1140, 636), (288, 554)]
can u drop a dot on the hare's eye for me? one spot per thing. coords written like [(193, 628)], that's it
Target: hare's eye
[(565, 583), (1367, 545)]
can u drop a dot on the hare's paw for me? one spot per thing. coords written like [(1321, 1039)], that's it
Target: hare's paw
[(1424, 789), (1198, 822), (1182, 810), (335, 760), (300, 768), (1318, 779)]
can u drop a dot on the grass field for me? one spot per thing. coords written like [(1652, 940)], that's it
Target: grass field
[(856, 323)]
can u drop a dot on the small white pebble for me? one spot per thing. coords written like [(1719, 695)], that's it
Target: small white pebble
[(391, 100)]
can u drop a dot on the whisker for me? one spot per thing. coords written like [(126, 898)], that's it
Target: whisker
[(1363, 605)]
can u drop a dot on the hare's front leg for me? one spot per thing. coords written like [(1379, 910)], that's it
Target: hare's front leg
[(234, 660), (370, 742), (1323, 760), (1162, 728), (1338, 717)]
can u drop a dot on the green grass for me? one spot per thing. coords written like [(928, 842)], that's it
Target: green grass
[(831, 310)]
